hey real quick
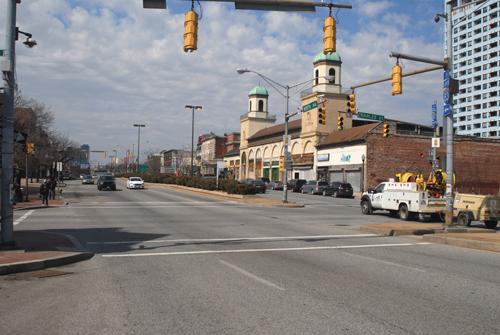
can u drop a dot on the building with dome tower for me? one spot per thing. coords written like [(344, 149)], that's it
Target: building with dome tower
[(262, 140)]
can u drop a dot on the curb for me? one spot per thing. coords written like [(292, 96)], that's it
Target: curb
[(41, 264), (464, 243), (423, 232)]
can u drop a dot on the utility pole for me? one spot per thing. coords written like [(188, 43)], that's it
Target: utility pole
[(8, 65)]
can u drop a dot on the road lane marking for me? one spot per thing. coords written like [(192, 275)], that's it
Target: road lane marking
[(179, 253), (251, 275), (18, 221), (125, 206), (385, 262), (167, 194), (272, 238)]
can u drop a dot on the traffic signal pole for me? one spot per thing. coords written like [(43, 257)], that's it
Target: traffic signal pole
[(8, 70)]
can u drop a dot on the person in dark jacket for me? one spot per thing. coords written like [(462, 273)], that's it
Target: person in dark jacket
[(52, 188), (44, 191)]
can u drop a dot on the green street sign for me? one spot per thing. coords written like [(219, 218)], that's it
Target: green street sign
[(375, 117), (310, 106), (2, 53)]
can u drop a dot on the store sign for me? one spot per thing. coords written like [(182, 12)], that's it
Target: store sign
[(323, 157), (345, 158)]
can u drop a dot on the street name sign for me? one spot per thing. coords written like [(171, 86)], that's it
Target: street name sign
[(2, 53), (375, 117), (446, 79), (446, 95), (310, 106)]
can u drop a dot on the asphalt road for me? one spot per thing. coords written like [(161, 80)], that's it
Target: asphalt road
[(174, 263)]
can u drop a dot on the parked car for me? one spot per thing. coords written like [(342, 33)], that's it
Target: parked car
[(339, 189), (247, 180), (275, 185), (261, 187), (94, 176), (294, 185), (87, 180), (314, 186), (106, 181), (264, 180), (135, 182)]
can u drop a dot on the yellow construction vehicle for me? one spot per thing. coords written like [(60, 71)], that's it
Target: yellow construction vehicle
[(469, 207)]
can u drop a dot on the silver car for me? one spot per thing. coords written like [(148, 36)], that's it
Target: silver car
[(314, 187)]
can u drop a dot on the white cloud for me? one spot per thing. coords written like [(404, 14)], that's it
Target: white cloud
[(104, 66)]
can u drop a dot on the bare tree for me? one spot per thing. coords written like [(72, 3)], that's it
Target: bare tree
[(153, 159)]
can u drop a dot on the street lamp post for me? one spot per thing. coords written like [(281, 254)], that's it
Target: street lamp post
[(287, 116), (138, 144), (8, 75), (192, 132)]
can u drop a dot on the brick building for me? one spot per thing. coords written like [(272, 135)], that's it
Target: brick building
[(339, 157)]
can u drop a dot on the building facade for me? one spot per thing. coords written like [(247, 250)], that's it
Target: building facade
[(475, 64)]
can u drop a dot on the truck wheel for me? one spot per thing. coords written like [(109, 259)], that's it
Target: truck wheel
[(366, 208), (404, 213), (463, 219), (491, 224)]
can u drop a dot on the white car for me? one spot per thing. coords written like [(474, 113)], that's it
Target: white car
[(135, 182)]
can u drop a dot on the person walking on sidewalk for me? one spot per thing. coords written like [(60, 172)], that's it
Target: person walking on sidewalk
[(52, 188), (44, 191)]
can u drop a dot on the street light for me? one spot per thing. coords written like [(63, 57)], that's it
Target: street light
[(287, 116), (138, 143), (8, 74), (192, 133)]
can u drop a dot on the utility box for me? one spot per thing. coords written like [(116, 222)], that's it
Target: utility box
[(470, 207)]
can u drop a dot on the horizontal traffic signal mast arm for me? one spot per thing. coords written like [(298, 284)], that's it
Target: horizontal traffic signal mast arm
[(270, 5), (411, 73), (420, 59)]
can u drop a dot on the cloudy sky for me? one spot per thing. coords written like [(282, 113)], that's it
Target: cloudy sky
[(103, 66)]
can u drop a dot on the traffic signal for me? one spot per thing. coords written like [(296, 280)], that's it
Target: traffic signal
[(25, 148), (86, 155), (386, 129), (329, 39), (191, 31), (322, 115), (340, 123), (397, 82), (282, 164), (351, 104), (105, 154), (30, 147)]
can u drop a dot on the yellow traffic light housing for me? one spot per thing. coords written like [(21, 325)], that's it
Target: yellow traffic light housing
[(397, 81), (340, 123), (330, 39), (30, 147), (191, 31), (322, 115), (282, 164), (105, 154), (351, 104), (386, 130)]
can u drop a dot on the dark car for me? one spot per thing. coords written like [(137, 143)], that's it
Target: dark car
[(261, 187), (247, 180), (106, 181), (275, 185), (294, 185), (339, 189), (314, 187)]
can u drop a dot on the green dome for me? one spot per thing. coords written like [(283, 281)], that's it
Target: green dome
[(333, 56), (258, 90)]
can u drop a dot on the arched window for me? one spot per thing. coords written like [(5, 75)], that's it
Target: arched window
[(261, 105), (317, 75), (332, 73)]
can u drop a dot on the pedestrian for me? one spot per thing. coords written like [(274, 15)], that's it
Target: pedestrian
[(44, 192), (52, 188)]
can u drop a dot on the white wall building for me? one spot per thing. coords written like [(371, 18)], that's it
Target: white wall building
[(475, 65)]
